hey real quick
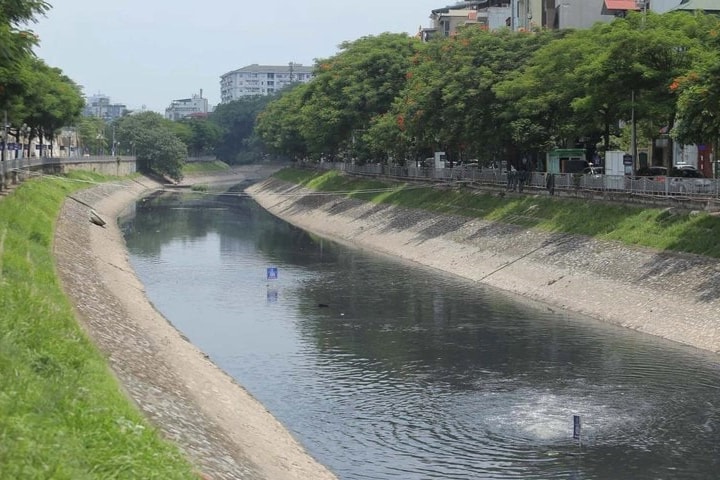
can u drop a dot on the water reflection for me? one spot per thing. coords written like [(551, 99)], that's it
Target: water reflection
[(408, 373)]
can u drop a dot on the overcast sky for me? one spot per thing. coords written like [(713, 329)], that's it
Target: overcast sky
[(150, 52)]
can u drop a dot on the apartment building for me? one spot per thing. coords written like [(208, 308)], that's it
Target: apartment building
[(195, 106), (261, 80), (100, 106)]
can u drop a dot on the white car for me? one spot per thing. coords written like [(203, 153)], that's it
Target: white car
[(688, 179)]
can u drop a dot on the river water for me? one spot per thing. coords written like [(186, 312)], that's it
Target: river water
[(386, 370)]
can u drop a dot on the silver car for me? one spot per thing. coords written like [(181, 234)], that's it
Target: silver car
[(688, 179)]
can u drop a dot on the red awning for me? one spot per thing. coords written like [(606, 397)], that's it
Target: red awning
[(621, 5)]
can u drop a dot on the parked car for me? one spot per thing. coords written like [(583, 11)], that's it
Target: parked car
[(655, 171), (688, 179)]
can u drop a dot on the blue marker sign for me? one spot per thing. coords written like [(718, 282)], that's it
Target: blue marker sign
[(272, 273), (576, 427)]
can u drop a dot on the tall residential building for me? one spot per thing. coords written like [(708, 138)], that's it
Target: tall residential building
[(261, 80), (99, 106), (196, 106)]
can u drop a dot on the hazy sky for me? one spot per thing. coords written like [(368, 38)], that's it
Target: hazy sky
[(153, 51)]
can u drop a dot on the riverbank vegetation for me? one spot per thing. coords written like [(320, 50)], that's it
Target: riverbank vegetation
[(62, 412), (204, 167), (658, 228), (504, 96)]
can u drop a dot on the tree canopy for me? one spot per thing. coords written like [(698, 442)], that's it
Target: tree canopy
[(34, 95), (485, 95), (155, 143)]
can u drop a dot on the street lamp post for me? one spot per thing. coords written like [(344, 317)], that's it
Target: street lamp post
[(642, 5), (3, 153), (24, 132), (113, 141), (633, 129)]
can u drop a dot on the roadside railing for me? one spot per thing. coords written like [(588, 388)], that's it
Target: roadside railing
[(674, 187)]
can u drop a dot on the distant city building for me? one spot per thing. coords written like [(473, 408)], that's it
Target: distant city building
[(196, 106), (99, 106), (261, 80)]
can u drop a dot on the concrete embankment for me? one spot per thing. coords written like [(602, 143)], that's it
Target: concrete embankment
[(674, 296), (225, 432)]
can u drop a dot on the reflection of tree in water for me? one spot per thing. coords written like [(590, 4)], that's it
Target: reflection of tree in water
[(167, 217)]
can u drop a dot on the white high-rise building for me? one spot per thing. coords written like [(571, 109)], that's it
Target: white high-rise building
[(99, 105), (261, 80), (196, 106)]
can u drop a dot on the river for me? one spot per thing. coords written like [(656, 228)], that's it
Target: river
[(388, 370)]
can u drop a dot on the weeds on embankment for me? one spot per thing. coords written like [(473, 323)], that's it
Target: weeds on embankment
[(62, 412), (657, 228), (204, 167)]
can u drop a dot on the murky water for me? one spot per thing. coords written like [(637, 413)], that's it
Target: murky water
[(385, 370)]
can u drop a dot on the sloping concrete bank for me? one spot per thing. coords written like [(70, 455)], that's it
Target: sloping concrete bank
[(224, 431), (674, 296)]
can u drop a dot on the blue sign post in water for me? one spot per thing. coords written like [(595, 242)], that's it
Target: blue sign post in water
[(576, 428), (272, 273)]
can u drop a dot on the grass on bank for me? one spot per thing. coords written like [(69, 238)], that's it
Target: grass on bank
[(62, 412), (204, 167), (657, 228)]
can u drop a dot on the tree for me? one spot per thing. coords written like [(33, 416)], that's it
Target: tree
[(278, 125), (204, 136), (352, 88), (161, 152), (236, 122), (90, 134), (16, 42), (698, 107), (157, 147)]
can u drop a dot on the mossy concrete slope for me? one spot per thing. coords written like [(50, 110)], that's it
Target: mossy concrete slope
[(670, 295)]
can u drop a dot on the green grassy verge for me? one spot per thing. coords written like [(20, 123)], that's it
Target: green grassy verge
[(204, 167), (62, 413), (649, 227)]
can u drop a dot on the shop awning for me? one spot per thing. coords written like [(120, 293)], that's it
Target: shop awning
[(621, 5)]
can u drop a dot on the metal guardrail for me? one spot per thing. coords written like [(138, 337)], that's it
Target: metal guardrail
[(655, 187)]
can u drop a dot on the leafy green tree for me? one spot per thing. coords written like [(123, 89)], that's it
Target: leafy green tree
[(90, 132), (278, 125), (204, 136), (352, 88), (539, 98), (698, 117), (587, 83), (49, 99), (161, 152), (450, 103), (156, 144), (234, 122), (16, 43)]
